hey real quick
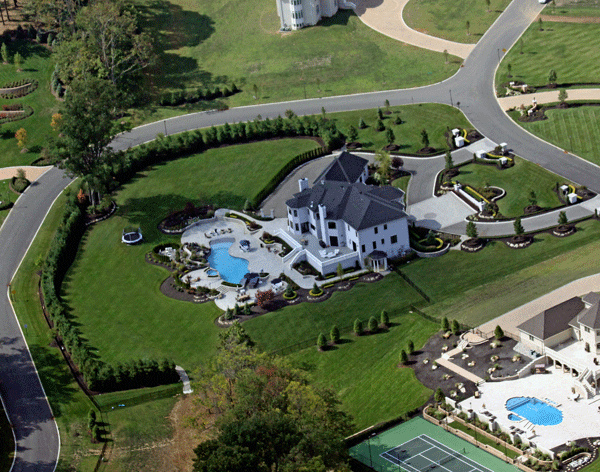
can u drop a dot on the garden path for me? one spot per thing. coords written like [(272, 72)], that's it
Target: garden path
[(548, 97), (31, 172), (459, 370), (385, 17)]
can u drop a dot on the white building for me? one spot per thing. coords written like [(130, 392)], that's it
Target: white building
[(296, 14), (367, 224)]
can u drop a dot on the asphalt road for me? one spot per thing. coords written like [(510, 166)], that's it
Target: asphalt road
[(471, 89), (25, 400)]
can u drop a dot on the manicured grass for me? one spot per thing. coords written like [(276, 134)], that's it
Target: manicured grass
[(6, 195), (402, 183), (217, 42), (573, 129), (115, 294), (364, 371), (499, 279), (38, 65), (69, 405), (484, 439), (432, 117), (518, 181), (448, 19), (305, 321), (571, 43), (7, 442)]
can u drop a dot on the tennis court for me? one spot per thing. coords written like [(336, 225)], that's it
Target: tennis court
[(420, 446)]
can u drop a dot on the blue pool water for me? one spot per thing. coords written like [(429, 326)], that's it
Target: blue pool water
[(231, 269), (536, 411), (211, 272), (513, 417)]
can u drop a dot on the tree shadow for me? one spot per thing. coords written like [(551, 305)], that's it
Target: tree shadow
[(28, 49), (341, 18)]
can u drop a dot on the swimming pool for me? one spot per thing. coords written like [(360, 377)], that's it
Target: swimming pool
[(514, 417), (535, 410), (231, 269)]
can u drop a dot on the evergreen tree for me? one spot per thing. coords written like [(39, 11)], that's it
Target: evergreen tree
[(472, 230), (449, 162), (5, 55), (334, 334), (439, 396), (455, 327), (562, 218), (389, 135), (373, 325), (358, 327), (552, 76), (321, 342), (424, 138), (385, 319), (411, 346), (498, 333), (352, 134), (519, 230), (445, 324), (379, 114), (379, 125), (403, 357), (361, 123)]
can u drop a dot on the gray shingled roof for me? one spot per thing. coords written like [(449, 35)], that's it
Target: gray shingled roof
[(554, 320), (591, 298), (344, 168), (590, 317), (359, 205)]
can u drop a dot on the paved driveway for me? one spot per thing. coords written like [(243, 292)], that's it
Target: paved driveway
[(440, 212)]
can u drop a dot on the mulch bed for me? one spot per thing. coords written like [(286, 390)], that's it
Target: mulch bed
[(473, 245), (391, 147), (564, 230), (530, 209), (482, 354), (353, 145), (427, 150), (518, 242)]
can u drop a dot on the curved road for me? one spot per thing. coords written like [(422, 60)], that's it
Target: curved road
[(471, 89)]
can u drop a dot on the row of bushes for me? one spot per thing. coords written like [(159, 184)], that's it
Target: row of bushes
[(31, 86), (98, 375), (174, 99), (12, 107)]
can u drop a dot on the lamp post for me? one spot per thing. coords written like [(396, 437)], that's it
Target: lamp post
[(369, 443)]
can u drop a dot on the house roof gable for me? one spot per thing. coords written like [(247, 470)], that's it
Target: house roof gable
[(554, 320)]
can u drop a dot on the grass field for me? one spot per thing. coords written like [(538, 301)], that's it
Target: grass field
[(447, 19), (518, 181), (38, 65), (305, 321), (574, 129), (364, 370), (206, 44), (6, 195), (115, 295), (571, 42), (7, 442), (432, 117)]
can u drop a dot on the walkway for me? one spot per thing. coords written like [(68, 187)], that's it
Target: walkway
[(459, 370), (183, 376), (509, 321), (548, 97), (31, 172), (385, 16)]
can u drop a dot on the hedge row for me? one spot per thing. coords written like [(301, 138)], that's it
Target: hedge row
[(98, 375), (32, 85), (174, 99)]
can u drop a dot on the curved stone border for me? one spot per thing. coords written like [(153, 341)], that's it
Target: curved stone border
[(8, 90), (522, 245), (110, 213), (565, 234), (464, 247), (183, 230), (429, 255)]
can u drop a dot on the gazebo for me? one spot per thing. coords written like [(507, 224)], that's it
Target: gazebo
[(378, 260)]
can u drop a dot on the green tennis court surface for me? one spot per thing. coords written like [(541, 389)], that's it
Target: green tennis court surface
[(420, 446)]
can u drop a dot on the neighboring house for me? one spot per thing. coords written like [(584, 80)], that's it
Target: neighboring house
[(296, 14), (568, 334), (340, 211)]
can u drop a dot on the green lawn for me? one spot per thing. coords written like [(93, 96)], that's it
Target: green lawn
[(484, 439), (498, 279), (432, 117), (305, 321), (364, 371), (115, 295), (206, 44), (570, 43), (448, 19), (573, 129), (402, 183), (38, 65), (6, 195), (518, 181), (7, 442)]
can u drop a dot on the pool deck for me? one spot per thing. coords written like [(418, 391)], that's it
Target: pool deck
[(580, 418)]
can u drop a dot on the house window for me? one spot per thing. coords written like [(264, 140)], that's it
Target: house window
[(531, 338), (297, 228), (382, 242), (290, 211), (587, 330), (375, 229), (394, 239), (295, 212), (331, 224), (318, 216), (312, 227), (384, 227), (363, 248), (374, 244)]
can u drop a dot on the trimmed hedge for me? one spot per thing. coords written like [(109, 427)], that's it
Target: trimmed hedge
[(174, 99), (98, 375)]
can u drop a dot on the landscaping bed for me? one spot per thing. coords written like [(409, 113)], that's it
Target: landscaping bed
[(482, 354), (177, 221)]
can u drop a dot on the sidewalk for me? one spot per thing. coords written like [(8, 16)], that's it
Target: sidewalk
[(459, 370), (385, 17), (548, 97)]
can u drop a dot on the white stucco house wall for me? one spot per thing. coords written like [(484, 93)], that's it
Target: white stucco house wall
[(296, 14), (341, 211)]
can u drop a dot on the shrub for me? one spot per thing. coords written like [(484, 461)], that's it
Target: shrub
[(361, 123), (519, 230), (321, 342), (379, 125), (445, 324), (455, 327), (385, 319), (498, 333), (562, 218), (411, 346), (439, 396), (334, 334), (373, 325), (403, 357), (471, 230), (358, 327), (315, 291)]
